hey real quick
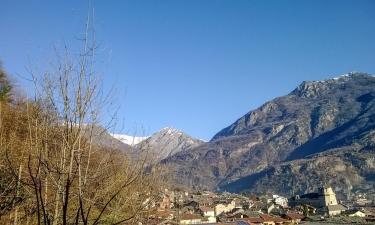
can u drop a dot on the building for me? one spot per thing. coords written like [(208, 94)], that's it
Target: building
[(324, 197), (355, 213), (324, 200), (270, 220), (295, 218), (280, 200), (207, 211), (334, 210), (254, 220), (190, 219), (223, 207), (209, 220)]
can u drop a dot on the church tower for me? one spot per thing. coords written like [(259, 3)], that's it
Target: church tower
[(329, 196)]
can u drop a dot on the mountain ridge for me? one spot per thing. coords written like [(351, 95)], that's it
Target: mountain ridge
[(314, 117), (167, 142)]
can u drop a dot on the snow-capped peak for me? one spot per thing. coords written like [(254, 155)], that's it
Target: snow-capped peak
[(130, 140), (341, 76), (344, 77), (170, 130)]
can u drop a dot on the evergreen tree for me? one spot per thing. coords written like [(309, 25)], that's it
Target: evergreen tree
[(5, 86)]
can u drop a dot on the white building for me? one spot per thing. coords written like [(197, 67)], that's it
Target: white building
[(220, 208), (190, 219), (207, 211), (280, 200)]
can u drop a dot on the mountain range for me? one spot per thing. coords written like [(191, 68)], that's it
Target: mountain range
[(161, 144), (322, 132)]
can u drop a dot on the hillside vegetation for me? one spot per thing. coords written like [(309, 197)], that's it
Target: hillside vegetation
[(53, 167)]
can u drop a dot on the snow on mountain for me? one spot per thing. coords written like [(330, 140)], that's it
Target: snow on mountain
[(168, 141), (130, 140)]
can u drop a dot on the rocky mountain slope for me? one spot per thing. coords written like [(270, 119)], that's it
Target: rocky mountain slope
[(283, 145), (167, 142)]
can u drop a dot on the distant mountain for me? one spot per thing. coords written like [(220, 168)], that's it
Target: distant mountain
[(320, 132), (129, 140), (101, 137), (167, 142)]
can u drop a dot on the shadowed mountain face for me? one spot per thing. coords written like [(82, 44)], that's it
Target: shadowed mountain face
[(263, 149)]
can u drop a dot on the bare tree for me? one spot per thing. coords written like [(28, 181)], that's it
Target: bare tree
[(59, 171)]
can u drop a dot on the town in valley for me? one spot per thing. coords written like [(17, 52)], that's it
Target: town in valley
[(206, 207)]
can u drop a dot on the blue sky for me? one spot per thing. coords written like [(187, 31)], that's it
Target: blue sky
[(197, 65)]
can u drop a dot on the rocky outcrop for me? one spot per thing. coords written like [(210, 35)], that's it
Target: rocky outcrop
[(167, 142)]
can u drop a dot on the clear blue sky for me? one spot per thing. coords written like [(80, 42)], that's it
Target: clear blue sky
[(197, 65)]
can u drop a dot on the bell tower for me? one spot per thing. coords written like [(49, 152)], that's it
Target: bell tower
[(329, 196)]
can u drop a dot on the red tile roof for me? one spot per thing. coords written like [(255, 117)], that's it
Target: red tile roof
[(206, 209), (267, 218), (254, 220), (294, 216)]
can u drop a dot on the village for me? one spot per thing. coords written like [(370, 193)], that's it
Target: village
[(205, 207)]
